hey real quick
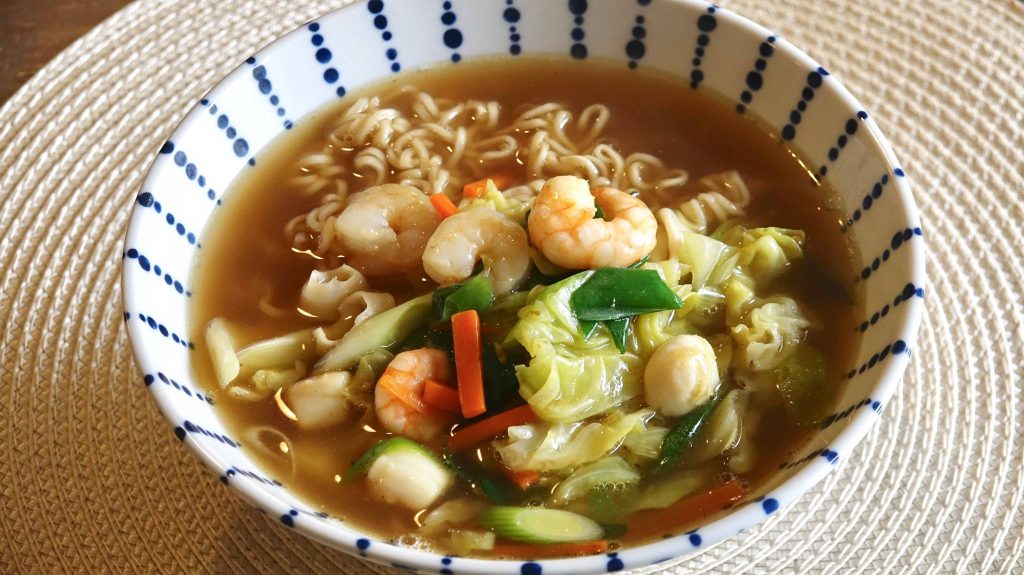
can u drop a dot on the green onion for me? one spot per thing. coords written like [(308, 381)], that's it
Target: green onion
[(616, 293), (540, 525), (390, 445), (598, 213), (681, 436), (619, 329), (476, 293)]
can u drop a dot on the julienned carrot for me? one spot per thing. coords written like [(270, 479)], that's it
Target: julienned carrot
[(468, 369), (521, 551), (441, 396), (687, 510), (472, 435), (523, 479), (443, 205)]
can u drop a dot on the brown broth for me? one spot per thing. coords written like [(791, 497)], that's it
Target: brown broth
[(245, 252)]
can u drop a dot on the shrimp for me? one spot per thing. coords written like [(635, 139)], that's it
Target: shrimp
[(397, 396), (385, 228), (478, 233), (562, 225)]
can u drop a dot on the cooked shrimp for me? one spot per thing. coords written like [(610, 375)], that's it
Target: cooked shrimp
[(562, 225), (398, 395), (385, 228), (478, 234)]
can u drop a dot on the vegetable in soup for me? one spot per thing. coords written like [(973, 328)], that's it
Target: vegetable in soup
[(523, 308)]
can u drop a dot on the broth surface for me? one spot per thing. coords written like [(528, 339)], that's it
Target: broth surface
[(246, 257)]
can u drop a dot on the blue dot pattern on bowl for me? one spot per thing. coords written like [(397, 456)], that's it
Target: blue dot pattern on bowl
[(755, 77), (380, 22), (239, 145), (815, 78), (265, 87), (870, 199), (531, 568), (849, 129), (635, 48), (191, 170), (503, 27), (706, 23), (323, 56), (578, 8), (452, 36), (511, 15), (909, 291), (149, 379)]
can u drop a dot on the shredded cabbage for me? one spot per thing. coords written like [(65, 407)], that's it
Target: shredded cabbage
[(542, 446), (769, 334), (570, 377)]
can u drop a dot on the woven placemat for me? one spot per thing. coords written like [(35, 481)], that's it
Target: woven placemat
[(93, 479)]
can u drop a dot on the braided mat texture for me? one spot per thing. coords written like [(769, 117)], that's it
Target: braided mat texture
[(93, 479)]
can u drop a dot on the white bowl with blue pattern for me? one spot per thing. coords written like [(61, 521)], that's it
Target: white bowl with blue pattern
[(756, 70)]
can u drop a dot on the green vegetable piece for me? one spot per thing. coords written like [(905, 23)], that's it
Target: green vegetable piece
[(501, 386), (598, 213), (616, 293), (380, 331), (540, 525), (619, 329), (803, 385), (681, 436), (476, 293), (496, 492), (389, 445)]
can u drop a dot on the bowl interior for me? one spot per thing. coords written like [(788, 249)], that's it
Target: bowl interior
[(753, 69)]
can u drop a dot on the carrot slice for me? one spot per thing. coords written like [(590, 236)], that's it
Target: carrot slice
[(472, 435), (552, 550), (474, 189), (441, 396), (523, 479), (468, 369), (687, 510), (443, 205)]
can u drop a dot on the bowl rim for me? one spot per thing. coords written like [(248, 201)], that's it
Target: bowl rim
[(731, 521)]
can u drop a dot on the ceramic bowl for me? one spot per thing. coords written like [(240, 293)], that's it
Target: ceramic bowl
[(754, 69)]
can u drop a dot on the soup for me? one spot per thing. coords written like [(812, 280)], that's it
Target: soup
[(583, 307)]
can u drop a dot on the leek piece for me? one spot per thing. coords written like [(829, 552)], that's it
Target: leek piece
[(540, 525), (379, 332)]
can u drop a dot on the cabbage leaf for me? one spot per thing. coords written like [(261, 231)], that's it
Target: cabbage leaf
[(542, 446), (769, 334), (570, 377)]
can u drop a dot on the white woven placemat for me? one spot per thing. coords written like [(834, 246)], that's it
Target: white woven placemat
[(93, 480)]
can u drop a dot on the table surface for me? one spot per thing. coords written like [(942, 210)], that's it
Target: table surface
[(93, 480), (32, 32)]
